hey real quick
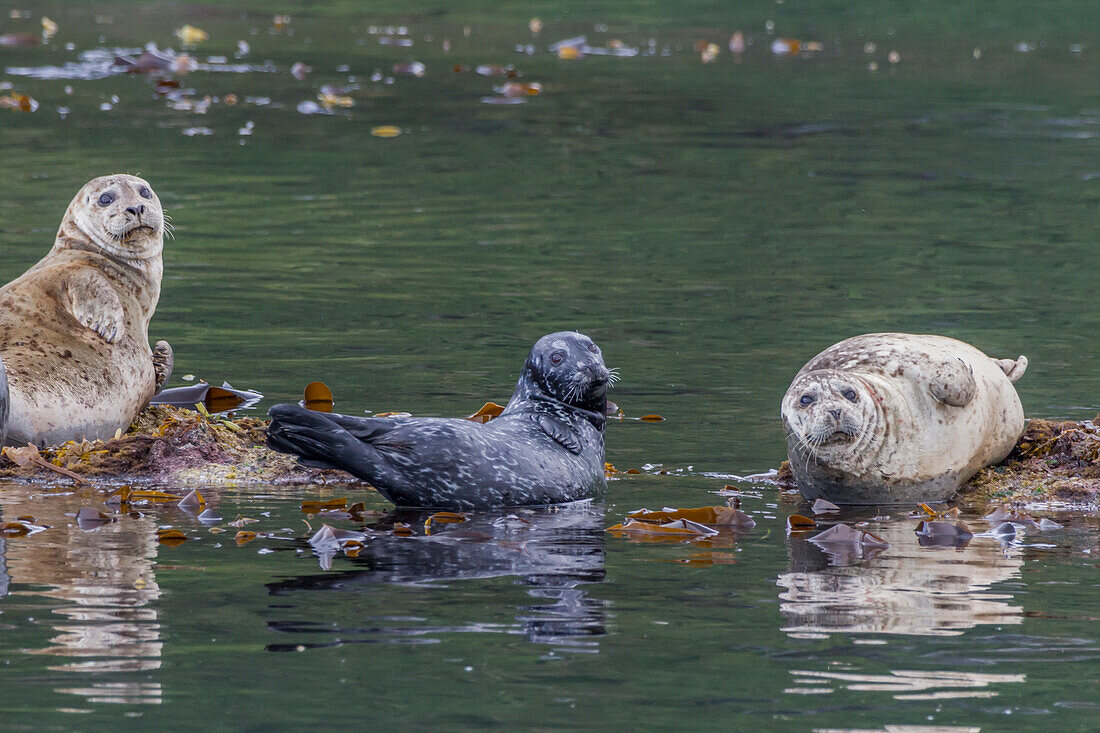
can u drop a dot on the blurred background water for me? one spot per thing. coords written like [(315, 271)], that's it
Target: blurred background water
[(712, 224)]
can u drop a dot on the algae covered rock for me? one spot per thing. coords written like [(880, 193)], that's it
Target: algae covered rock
[(172, 445)]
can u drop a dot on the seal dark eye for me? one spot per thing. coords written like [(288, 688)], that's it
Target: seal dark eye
[(593, 349), (849, 394), (807, 399), (555, 359), (145, 193), (106, 199)]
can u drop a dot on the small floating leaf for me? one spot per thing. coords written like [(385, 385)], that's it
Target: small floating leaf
[(15, 529), (151, 495), (799, 523), (189, 35), (121, 496), (400, 529), (385, 131), (171, 537), (824, 507), (244, 537), (651, 418), (486, 412), (318, 397), (413, 68), (88, 517), (719, 516), (18, 39), (192, 501), (680, 527), (313, 507), (241, 521), (444, 518), (842, 533), (633, 471), (944, 530)]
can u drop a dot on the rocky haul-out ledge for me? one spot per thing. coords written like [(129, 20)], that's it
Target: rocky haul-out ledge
[(170, 445), (1054, 461)]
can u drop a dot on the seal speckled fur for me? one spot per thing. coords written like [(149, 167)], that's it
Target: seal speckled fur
[(546, 447), (890, 418), (74, 327)]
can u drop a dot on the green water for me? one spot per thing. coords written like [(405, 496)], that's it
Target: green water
[(711, 226)]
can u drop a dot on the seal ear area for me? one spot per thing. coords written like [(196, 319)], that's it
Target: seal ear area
[(952, 383), (1013, 368), (560, 433)]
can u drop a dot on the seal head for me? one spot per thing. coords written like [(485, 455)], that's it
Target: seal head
[(563, 371), (833, 417), (120, 215)]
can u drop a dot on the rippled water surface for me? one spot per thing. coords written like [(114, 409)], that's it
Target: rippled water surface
[(711, 225)]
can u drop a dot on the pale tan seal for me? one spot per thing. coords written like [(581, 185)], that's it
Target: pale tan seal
[(890, 418), (74, 327)]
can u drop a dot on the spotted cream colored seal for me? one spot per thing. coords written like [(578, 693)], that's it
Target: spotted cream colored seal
[(890, 418), (74, 328)]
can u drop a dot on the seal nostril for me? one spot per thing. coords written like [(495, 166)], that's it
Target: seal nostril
[(835, 413), (132, 211), (141, 209)]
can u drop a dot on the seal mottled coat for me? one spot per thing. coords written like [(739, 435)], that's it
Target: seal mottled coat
[(890, 418), (546, 447), (74, 327)]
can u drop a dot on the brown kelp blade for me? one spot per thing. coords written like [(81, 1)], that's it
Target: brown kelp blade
[(487, 412), (214, 399), (717, 516), (317, 397)]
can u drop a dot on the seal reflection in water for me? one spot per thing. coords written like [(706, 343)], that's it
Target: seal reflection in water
[(891, 418), (74, 328), (547, 447)]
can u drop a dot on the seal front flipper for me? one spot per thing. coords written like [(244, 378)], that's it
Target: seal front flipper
[(163, 361), (95, 304), (952, 383), (560, 432), (3, 402), (1013, 368)]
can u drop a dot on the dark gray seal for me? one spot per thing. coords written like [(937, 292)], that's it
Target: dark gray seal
[(545, 448)]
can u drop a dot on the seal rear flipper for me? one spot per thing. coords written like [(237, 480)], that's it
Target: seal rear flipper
[(1013, 368), (952, 383), (363, 428), (560, 432), (316, 440), (163, 361)]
